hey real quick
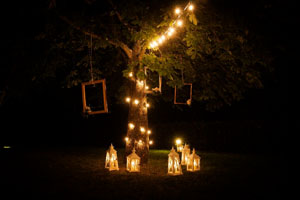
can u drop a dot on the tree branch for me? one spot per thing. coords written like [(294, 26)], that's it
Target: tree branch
[(120, 17), (117, 44)]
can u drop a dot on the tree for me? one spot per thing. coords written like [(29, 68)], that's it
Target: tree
[(220, 56)]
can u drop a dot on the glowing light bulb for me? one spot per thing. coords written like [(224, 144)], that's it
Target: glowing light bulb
[(140, 83), (151, 45), (177, 11), (130, 74), (140, 143), (147, 87), (136, 102), (150, 142), (160, 41), (142, 129), (171, 31), (127, 99), (147, 105), (126, 139), (191, 7), (131, 125), (149, 132), (179, 23), (178, 141)]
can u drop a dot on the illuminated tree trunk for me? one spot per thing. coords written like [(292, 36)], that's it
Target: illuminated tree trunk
[(137, 135), (137, 116)]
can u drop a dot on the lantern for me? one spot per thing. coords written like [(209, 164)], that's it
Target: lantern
[(174, 167), (193, 162), (111, 161), (185, 154), (133, 162)]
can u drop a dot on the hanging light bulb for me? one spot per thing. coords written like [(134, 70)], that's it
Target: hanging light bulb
[(126, 139), (179, 23), (142, 129), (150, 142), (131, 125), (191, 7), (130, 74), (127, 99), (136, 102), (171, 31), (140, 143), (147, 87), (149, 132), (177, 11)]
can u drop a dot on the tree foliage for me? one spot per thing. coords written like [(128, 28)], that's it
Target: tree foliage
[(221, 55)]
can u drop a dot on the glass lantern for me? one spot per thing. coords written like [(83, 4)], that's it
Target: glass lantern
[(174, 167), (111, 161), (185, 154), (193, 162), (133, 162)]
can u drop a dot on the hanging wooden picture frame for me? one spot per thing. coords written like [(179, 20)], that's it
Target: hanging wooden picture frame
[(189, 101), (87, 108), (155, 89)]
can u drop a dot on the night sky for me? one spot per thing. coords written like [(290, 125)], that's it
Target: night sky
[(51, 115)]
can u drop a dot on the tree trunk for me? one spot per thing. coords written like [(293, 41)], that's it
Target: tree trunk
[(138, 137)]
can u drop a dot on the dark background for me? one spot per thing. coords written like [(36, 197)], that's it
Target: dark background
[(49, 115)]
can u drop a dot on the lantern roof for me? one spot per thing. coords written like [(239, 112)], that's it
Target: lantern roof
[(133, 155), (186, 146), (194, 155), (173, 153), (111, 149)]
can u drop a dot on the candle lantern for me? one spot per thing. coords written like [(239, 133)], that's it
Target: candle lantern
[(193, 162), (111, 161), (174, 167), (185, 154), (133, 162)]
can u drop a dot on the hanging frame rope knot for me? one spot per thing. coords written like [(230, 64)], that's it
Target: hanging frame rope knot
[(99, 94)]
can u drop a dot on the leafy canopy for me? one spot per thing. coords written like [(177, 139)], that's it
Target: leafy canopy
[(220, 55)]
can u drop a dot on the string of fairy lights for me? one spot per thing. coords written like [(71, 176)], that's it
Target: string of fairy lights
[(177, 23), (154, 44)]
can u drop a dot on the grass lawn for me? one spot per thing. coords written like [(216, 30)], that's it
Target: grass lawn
[(79, 173)]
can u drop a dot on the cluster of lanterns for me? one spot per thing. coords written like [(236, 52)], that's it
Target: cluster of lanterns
[(191, 160), (171, 30), (111, 160)]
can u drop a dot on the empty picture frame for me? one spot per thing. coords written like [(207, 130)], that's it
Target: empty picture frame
[(91, 103), (188, 101)]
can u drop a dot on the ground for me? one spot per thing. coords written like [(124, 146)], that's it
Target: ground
[(79, 173)]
